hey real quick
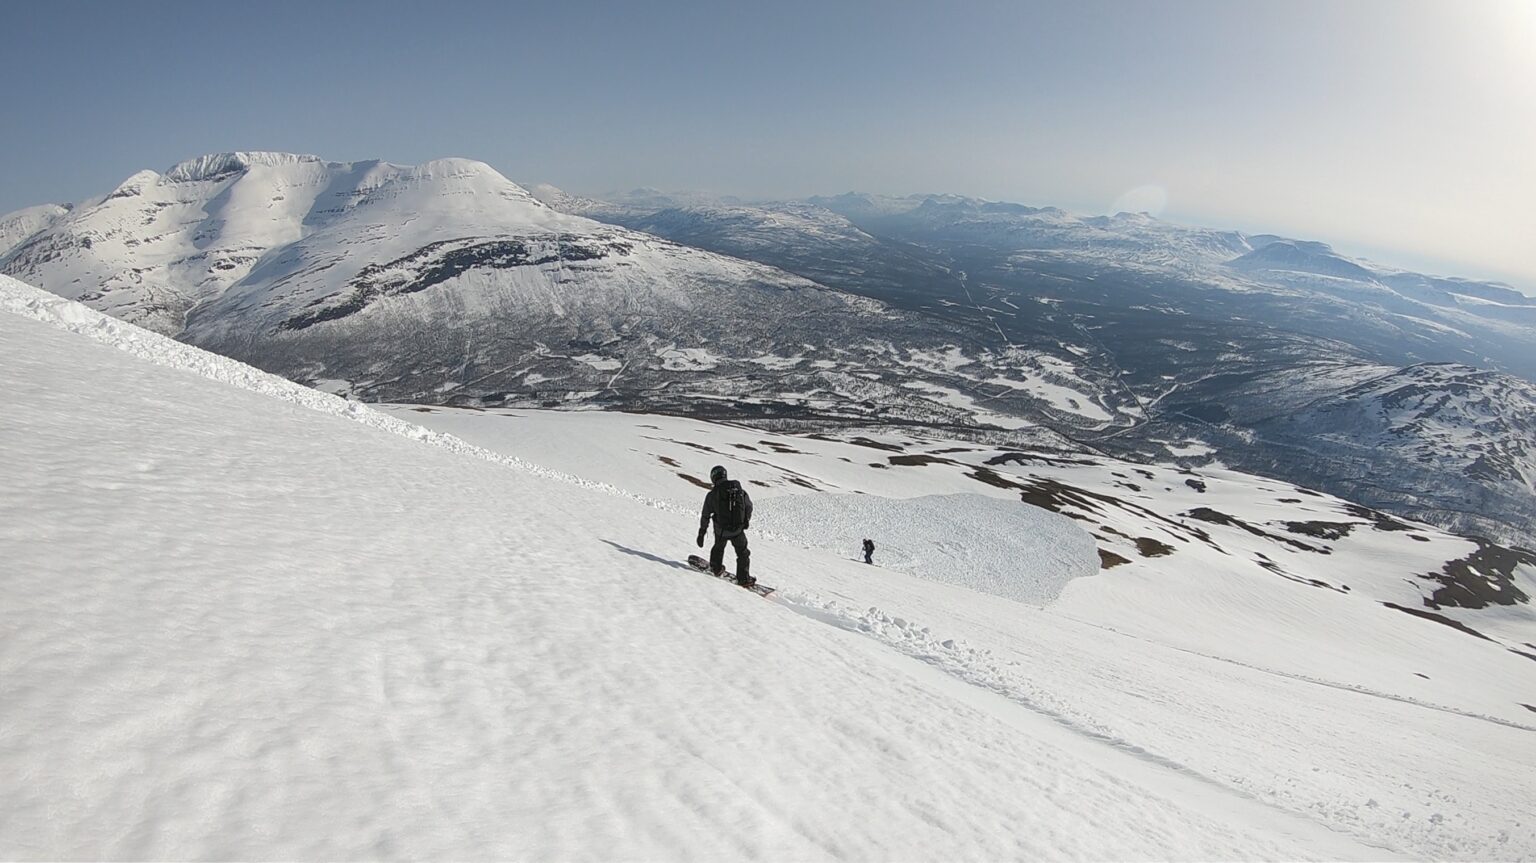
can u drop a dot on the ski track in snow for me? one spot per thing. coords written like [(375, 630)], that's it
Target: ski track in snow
[(955, 657), (980, 669), (1317, 681)]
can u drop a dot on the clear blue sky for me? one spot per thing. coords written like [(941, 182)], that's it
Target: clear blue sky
[(1402, 129)]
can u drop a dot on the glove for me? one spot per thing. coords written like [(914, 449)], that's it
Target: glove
[(701, 539)]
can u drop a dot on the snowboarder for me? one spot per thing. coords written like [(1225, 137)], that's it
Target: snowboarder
[(731, 508), (869, 551)]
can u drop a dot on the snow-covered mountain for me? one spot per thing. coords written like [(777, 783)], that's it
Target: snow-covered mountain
[(247, 246), (446, 281), (20, 226), (1478, 428), (249, 619), (1301, 257), (1202, 334), (158, 244)]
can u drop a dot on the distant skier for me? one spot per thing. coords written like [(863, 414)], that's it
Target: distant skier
[(731, 508), (869, 551)]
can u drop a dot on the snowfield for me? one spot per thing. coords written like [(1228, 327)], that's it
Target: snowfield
[(251, 620)]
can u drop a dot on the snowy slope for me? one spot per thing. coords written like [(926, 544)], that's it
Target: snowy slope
[(1231, 583), (578, 697), (1171, 539), (239, 626)]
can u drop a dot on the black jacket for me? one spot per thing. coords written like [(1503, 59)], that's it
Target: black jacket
[(712, 506)]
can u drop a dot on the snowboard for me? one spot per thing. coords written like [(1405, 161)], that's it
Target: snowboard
[(702, 565)]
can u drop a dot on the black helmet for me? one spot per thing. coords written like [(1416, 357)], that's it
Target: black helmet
[(717, 474)]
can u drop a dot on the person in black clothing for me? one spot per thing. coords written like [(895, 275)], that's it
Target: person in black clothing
[(731, 509), (869, 551)]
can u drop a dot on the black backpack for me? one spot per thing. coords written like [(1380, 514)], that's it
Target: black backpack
[(730, 506)]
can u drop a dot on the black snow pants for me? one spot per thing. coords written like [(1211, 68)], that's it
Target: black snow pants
[(743, 556)]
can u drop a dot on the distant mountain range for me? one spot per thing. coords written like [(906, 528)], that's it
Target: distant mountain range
[(446, 283), (1228, 339)]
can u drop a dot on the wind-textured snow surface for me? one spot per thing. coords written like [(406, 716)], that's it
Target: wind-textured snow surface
[(244, 622)]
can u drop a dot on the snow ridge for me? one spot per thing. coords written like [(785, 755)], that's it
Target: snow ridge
[(217, 165), (22, 299), (18, 227)]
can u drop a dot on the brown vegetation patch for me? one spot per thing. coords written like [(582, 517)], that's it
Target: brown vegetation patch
[(1110, 560), (993, 478), (693, 479), (874, 444), (1439, 618), (781, 448), (1061, 498), (1379, 520), (1277, 569), (1150, 547), (1023, 458), (1205, 513), (1321, 529), (687, 443), (918, 460), (1482, 578)]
